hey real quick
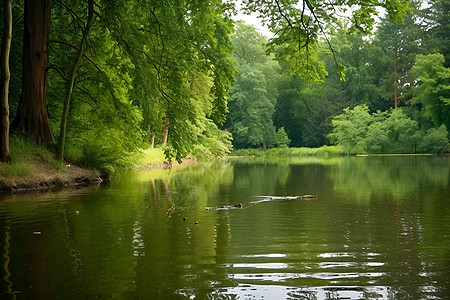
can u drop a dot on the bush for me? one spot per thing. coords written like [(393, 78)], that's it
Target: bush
[(358, 131), (434, 141), (402, 132), (350, 129), (104, 158)]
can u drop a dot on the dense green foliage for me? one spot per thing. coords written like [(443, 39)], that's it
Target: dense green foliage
[(145, 62), (151, 67), (358, 131), (254, 94), (400, 64)]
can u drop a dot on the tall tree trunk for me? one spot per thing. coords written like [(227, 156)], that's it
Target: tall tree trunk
[(395, 79), (70, 83), (165, 132), (32, 115), (6, 75)]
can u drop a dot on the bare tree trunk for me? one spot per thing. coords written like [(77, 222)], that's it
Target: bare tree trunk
[(165, 132), (32, 115), (395, 79), (152, 139), (5, 77), (70, 83), (264, 145)]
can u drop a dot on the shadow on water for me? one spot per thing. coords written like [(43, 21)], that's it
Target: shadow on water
[(378, 229)]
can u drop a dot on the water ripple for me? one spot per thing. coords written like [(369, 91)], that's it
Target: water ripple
[(280, 277)]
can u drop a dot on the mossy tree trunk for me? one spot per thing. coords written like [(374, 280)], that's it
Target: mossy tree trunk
[(5, 77)]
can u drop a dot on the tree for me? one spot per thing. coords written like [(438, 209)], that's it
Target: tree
[(431, 94), (254, 93), (5, 78), (282, 138), (168, 44), (103, 125), (71, 80), (437, 20), (32, 117), (401, 42)]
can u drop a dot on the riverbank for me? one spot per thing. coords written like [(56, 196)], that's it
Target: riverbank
[(35, 169), (37, 172)]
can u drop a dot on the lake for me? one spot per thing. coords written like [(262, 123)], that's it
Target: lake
[(378, 229)]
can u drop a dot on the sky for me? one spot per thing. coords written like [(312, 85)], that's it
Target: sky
[(251, 20)]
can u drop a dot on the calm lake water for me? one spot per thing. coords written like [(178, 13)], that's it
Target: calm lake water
[(379, 229)]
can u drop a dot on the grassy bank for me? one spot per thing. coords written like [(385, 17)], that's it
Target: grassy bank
[(35, 168), (324, 151)]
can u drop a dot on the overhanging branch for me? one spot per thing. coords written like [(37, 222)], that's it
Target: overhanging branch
[(321, 29), (76, 48), (52, 67)]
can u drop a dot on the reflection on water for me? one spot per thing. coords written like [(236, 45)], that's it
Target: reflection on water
[(379, 229), (288, 292)]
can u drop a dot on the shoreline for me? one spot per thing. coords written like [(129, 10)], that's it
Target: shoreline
[(166, 164), (47, 179)]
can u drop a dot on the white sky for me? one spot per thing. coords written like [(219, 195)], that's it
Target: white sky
[(251, 20)]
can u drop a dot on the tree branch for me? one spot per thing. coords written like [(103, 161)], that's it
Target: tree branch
[(321, 29), (72, 13), (76, 48), (52, 67), (89, 95), (283, 15)]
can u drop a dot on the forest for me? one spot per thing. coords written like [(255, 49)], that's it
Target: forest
[(95, 81)]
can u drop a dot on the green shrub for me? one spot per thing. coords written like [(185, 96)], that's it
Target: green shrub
[(104, 159), (350, 129), (434, 141), (357, 131)]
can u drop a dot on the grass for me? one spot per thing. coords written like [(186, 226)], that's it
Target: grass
[(24, 156), (149, 156), (21, 155), (19, 169), (324, 151)]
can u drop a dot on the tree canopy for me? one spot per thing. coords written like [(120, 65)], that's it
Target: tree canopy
[(115, 77)]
